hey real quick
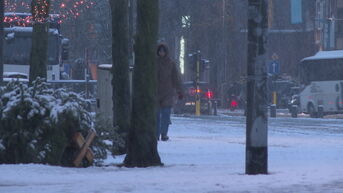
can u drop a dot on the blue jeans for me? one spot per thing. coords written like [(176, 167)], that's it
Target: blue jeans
[(163, 121)]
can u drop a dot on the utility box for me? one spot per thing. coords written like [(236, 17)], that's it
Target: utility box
[(104, 95), (105, 92)]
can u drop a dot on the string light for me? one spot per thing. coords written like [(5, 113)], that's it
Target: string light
[(66, 9), (40, 10)]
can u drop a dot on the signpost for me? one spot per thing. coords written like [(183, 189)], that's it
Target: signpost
[(274, 68), (196, 58)]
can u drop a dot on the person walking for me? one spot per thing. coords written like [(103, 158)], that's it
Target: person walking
[(168, 85)]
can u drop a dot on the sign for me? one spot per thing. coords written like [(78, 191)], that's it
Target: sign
[(274, 68)]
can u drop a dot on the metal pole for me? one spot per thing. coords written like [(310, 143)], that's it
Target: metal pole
[(223, 70), (209, 107), (197, 80), (273, 106), (257, 119), (215, 107)]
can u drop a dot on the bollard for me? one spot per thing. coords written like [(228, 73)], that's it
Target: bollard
[(215, 107), (320, 111), (273, 110), (294, 111), (209, 107)]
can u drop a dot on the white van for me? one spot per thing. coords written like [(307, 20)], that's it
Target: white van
[(322, 77)]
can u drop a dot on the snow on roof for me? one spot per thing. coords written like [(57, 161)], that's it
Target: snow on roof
[(26, 14), (105, 66), (14, 73), (192, 82), (28, 30), (15, 79), (325, 55), (16, 14), (72, 81)]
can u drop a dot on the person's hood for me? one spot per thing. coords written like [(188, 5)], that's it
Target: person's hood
[(164, 46)]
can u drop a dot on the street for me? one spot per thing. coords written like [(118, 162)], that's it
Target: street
[(207, 154)]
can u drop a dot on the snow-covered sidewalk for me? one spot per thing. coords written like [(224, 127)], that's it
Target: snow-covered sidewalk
[(206, 155)]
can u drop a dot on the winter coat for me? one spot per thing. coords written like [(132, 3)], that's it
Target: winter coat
[(168, 80)]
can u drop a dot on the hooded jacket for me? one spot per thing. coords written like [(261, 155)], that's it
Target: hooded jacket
[(168, 79)]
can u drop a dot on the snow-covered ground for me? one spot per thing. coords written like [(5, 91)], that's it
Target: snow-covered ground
[(207, 155)]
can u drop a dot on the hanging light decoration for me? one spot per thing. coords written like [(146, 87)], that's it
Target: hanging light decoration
[(66, 9)]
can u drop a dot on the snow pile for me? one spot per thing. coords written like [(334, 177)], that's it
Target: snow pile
[(36, 122)]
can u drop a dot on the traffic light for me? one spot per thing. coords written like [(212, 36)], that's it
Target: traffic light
[(65, 49), (192, 61), (204, 65)]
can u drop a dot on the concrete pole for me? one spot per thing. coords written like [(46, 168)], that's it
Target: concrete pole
[(257, 98)]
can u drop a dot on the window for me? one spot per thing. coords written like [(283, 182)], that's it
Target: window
[(296, 11)]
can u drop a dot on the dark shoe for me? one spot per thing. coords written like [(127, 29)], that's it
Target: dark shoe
[(165, 138)]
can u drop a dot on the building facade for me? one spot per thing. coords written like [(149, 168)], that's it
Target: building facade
[(329, 24), (291, 35)]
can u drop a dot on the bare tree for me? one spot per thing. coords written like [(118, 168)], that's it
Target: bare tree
[(40, 33), (120, 68), (142, 142)]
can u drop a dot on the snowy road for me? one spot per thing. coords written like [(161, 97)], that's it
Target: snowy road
[(207, 155)]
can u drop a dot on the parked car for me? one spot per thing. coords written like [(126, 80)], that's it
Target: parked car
[(284, 91), (187, 104)]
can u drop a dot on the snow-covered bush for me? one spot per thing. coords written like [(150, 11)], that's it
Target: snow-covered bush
[(36, 122)]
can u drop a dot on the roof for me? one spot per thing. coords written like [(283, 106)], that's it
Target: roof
[(326, 55)]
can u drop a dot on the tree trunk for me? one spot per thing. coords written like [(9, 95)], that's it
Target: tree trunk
[(1, 40), (120, 68), (40, 34), (257, 120), (142, 142)]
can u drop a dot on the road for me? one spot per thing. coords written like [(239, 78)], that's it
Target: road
[(279, 113)]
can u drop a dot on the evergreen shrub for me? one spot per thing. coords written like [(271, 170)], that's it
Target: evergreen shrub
[(37, 122)]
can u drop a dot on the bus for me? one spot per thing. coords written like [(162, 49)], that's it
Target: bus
[(18, 41), (322, 78)]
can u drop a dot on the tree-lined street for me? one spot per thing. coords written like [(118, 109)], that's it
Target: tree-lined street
[(89, 87)]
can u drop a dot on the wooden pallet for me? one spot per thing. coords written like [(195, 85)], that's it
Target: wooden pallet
[(83, 145)]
